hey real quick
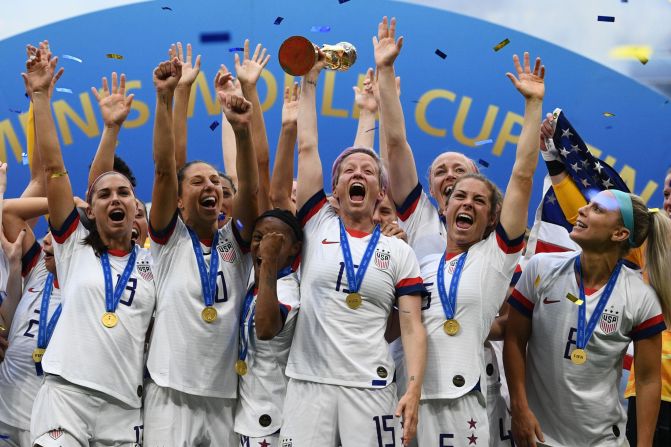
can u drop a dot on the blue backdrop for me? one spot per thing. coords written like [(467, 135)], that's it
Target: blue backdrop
[(449, 103)]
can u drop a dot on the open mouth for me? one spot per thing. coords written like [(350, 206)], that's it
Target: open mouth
[(448, 190), (134, 234), (209, 202), (580, 224), (464, 221), (357, 192), (117, 215)]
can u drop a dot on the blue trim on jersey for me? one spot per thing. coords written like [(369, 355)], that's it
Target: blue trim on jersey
[(30, 258), (163, 235), (70, 223), (649, 332), (515, 304), (513, 245), (416, 289), (410, 203), (243, 244), (308, 209), (379, 383), (284, 313)]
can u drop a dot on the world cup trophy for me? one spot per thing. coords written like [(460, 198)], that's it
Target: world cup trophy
[(298, 55)]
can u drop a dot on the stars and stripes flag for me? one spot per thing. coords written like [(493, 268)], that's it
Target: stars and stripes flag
[(550, 232)]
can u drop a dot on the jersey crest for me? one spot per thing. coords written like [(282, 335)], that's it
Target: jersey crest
[(609, 320), (55, 434), (144, 270), (382, 258), (226, 251)]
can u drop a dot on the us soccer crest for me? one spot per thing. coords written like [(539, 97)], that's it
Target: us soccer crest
[(226, 251), (144, 270), (382, 258), (452, 264), (55, 434), (609, 320)]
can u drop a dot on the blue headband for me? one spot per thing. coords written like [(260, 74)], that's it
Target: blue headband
[(626, 211)]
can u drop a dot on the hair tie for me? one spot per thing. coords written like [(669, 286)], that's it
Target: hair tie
[(653, 210), (626, 211)]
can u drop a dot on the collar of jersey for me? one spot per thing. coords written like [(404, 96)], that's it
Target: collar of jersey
[(357, 233), (118, 253), (450, 255)]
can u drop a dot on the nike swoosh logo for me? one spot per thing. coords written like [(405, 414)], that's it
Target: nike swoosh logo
[(325, 242), (547, 301), (32, 290)]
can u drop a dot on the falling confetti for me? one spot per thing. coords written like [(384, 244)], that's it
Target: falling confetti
[(608, 114), (481, 142), (239, 224), (320, 29), (484, 163), (370, 130), (342, 1), (606, 19), (24, 159), (114, 56), (63, 90), (214, 125), (234, 49), (278, 20), (440, 54), (501, 44), (221, 217), (166, 8), (72, 58), (574, 299), (15, 110), (224, 36)]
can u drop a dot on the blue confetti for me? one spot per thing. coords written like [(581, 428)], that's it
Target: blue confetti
[(234, 49), (215, 37), (483, 163), (24, 159), (4, 436), (15, 111), (606, 19), (342, 1), (63, 90), (320, 29), (72, 58), (27, 95), (278, 20), (221, 217), (481, 142), (239, 224), (214, 125), (166, 8), (440, 54)]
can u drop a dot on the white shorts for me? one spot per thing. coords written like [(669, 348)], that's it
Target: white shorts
[(13, 437), (316, 414), (176, 419), (65, 414), (265, 441), (500, 432), (458, 422)]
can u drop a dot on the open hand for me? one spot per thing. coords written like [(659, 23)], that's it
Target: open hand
[(530, 84), (189, 70), (249, 70), (290, 105), (114, 105), (364, 97), (385, 45), (41, 75)]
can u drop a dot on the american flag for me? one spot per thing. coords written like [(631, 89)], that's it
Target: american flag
[(590, 175)]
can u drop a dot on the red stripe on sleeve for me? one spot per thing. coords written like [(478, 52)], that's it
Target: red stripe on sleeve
[(517, 295), (409, 282), (648, 323)]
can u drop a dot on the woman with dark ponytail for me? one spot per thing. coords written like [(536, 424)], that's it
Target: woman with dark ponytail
[(575, 315)]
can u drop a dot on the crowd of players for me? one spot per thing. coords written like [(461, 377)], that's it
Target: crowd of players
[(266, 313)]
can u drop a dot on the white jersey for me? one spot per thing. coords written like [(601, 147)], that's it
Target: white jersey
[(579, 404), (186, 353), (455, 364), (262, 389), (334, 344), (422, 223), (4, 275), (19, 381), (82, 350)]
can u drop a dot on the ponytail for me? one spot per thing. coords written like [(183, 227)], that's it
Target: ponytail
[(655, 227)]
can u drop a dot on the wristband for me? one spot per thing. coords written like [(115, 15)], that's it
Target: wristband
[(555, 167), (58, 174)]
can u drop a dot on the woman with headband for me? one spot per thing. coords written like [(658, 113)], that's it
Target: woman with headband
[(93, 368), (574, 316)]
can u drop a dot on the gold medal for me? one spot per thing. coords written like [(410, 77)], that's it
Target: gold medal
[(37, 354), (451, 327), (353, 300), (579, 356), (209, 314), (110, 319), (241, 367)]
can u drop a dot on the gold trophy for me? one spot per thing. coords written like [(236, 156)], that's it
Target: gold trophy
[(298, 55)]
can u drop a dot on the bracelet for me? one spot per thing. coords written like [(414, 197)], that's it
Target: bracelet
[(58, 174), (311, 82)]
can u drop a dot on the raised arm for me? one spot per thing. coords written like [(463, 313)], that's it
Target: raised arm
[(248, 71), (281, 183), (224, 82), (364, 98), (13, 251), (268, 318), (402, 170), (245, 206), (310, 176), (190, 72), (40, 78), (518, 192), (114, 107), (164, 194)]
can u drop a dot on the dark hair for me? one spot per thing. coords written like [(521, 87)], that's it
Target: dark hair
[(122, 168), (287, 217), (230, 180), (181, 172)]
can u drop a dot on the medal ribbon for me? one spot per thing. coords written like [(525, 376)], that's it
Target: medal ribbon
[(354, 281), (583, 334), (243, 348), (45, 330), (113, 296), (207, 282), (449, 302)]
